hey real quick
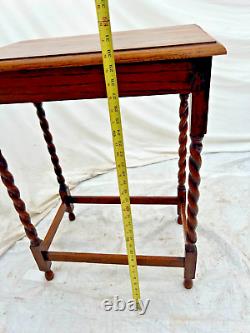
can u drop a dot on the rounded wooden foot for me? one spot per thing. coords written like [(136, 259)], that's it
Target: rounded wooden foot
[(179, 221), (188, 283), (49, 275), (72, 216)]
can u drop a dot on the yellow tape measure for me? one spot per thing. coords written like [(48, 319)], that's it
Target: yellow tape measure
[(116, 126)]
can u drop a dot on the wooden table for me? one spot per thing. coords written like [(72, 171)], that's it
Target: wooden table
[(171, 60)]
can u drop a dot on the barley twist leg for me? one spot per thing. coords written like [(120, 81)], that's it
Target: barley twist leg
[(19, 205), (192, 210), (193, 192), (183, 126), (63, 189), (30, 230)]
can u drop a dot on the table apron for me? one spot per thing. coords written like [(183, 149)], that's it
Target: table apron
[(85, 82)]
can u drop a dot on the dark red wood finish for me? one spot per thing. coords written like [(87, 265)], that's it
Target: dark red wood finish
[(66, 83)]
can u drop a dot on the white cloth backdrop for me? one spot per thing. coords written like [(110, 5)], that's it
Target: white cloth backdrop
[(72, 302), (81, 129)]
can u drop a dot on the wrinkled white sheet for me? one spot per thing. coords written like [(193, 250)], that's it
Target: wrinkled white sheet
[(81, 129), (220, 299)]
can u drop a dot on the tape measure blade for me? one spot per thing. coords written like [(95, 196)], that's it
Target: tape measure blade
[(117, 136)]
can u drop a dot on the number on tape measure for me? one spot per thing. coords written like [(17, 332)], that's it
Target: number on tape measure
[(117, 135)]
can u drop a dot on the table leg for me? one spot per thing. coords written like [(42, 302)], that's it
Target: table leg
[(192, 210), (183, 126), (198, 128), (30, 230), (63, 188)]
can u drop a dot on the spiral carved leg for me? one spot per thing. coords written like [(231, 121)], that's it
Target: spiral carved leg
[(192, 210), (30, 230), (63, 189), (19, 205), (183, 126), (193, 192)]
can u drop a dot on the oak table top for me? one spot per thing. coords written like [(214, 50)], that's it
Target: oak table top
[(178, 42)]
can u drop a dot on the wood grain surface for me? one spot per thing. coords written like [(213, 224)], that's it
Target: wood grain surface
[(186, 41)]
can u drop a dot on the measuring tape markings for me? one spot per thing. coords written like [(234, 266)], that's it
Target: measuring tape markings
[(117, 135)]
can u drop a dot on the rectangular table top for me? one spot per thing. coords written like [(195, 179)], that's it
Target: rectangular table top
[(178, 42)]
